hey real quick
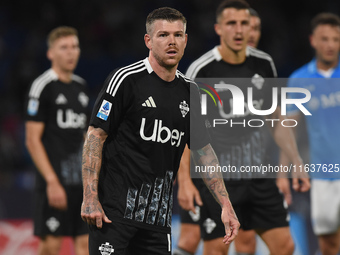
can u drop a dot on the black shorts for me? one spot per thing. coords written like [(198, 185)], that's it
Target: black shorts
[(122, 239), (258, 205), (50, 221)]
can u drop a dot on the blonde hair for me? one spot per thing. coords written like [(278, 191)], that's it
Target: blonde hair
[(60, 32)]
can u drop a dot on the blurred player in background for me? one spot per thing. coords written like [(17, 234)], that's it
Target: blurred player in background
[(321, 77), (138, 130), (190, 236), (258, 202), (255, 28), (56, 118)]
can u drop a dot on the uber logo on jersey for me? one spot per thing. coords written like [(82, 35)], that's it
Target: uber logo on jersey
[(71, 119), (161, 134)]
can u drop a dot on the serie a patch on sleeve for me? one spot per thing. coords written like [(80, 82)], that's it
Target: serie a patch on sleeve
[(104, 110), (33, 105)]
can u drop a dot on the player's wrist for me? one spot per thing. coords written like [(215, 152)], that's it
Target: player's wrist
[(52, 180)]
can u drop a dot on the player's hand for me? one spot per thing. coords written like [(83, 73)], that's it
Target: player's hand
[(300, 178), (187, 194), (56, 195), (230, 222), (92, 212), (284, 187), (301, 182)]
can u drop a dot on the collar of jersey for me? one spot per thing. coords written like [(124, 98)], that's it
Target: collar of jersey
[(312, 68), (149, 67)]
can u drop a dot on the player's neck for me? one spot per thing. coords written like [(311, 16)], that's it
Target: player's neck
[(166, 74), (64, 76), (325, 66), (230, 56)]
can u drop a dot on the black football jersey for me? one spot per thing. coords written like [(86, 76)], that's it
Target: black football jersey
[(238, 144), (64, 110), (147, 121)]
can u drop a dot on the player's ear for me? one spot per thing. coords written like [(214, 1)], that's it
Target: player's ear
[(312, 41), (49, 54), (217, 28), (147, 40)]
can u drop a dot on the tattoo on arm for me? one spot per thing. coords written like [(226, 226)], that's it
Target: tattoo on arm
[(206, 157), (91, 164)]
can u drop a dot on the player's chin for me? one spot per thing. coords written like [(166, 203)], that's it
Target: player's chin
[(172, 62)]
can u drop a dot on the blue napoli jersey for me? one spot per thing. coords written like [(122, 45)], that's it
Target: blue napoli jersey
[(324, 124)]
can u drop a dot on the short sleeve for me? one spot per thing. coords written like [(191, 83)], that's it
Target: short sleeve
[(36, 108), (293, 82), (111, 104), (199, 136)]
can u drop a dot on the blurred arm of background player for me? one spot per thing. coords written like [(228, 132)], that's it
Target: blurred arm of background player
[(282, 182), (187, 191), (285, 139), (214, 181), (55, 192)]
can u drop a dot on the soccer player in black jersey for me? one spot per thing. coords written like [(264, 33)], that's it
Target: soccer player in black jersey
[(138, 130), (56, 120), (257, 202), (190, 237)]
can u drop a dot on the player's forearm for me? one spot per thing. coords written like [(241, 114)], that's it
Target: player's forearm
[(285, 139), (206, 157), (39, 156), (183, 174), (92, 160)]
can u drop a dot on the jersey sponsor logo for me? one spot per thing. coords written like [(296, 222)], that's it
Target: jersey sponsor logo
[(70, 119), (52, 224), (33, 105), (161, 134), (209, 225), (149, 102), (106, 249), (83, 99), (325, 101), (184, 108), (61, 99), (104, 110), (258, 81), (195, 216)]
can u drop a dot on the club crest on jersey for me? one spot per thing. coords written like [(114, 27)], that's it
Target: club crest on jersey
[(184, 108), (83, 99), (258, 81), (106, 249), (104, 110)]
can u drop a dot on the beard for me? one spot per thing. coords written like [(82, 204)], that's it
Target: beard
[(167, 64)]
